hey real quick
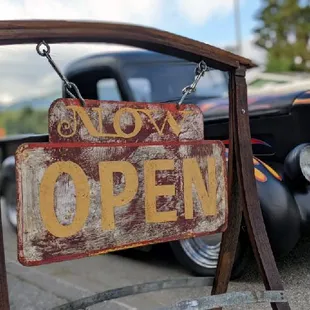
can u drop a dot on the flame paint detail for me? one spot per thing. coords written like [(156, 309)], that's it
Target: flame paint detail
[(260, 176), (253, 141), (302, 101), (272, 171), (255, 162), (258, 141)]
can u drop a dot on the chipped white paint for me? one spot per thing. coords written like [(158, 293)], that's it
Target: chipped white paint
[(189, 120), (89, 137), (37, 245)]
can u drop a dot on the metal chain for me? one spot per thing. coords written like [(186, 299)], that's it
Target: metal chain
[(45, 52), (199, 73)]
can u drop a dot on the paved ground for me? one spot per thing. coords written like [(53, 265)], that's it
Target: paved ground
[(44, 287)]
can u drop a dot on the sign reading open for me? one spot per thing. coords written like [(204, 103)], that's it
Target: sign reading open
[(117, 175)]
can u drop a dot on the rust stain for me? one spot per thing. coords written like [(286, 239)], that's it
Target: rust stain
[(104, 121), (60, 218), (38, 245)]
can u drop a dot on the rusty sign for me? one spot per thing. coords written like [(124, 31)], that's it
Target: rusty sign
[(91, 195), (114, 121)]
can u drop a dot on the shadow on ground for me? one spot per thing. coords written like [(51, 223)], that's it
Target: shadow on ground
[(298, 259), (161, 254)]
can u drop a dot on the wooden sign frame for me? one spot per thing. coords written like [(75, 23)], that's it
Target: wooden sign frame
[(242, 192)]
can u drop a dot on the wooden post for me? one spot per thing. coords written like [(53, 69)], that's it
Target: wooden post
[(243, 196), (242, 186), (4, 294), (231, 235)]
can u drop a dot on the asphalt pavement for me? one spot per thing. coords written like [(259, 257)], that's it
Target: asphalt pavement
[(47, 286)]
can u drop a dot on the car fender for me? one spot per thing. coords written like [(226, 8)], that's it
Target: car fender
[(279, 209)]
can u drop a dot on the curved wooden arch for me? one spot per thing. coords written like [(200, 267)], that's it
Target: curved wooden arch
[(59, 31), (241, 183)]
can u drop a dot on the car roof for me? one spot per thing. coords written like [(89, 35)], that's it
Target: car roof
[(120, 58)]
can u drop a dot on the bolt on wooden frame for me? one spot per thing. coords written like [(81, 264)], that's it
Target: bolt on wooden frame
[(242, 192)]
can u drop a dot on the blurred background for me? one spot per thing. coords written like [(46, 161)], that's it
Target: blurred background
[(275, 34)]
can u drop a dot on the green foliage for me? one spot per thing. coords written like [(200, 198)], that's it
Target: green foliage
[(284, 31), (22, 121)]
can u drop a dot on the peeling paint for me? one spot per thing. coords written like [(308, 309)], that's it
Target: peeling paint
[(37, 245)]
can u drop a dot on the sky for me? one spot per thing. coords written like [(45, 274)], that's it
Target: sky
[(209, 21)]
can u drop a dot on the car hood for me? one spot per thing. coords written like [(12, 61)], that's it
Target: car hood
[(214, 109)]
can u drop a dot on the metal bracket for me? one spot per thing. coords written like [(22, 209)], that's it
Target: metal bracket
[(229, 299)]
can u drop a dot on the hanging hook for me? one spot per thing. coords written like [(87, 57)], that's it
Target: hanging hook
[(45, 52), (199, 72)]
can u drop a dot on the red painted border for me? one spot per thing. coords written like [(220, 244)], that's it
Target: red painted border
[(61, 258), (115, 144), (169, 106)]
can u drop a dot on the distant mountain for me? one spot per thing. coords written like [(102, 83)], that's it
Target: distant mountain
[(36, 103), (105, 92)]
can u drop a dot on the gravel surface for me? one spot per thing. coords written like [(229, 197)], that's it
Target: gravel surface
[(295, 272)]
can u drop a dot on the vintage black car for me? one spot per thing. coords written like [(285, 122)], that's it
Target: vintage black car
[(280, 139)]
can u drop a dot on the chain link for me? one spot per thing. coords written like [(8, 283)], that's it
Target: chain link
[(199, 73), (45, 52)]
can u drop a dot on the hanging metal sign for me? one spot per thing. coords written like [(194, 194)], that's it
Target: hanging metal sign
[(113, 156), (117, 175)]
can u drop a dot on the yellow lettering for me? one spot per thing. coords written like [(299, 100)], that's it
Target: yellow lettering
[(151, 191), (117, 123), (47, 188), (108, 200), (192, 175), (100, 122), (175, 127), (64, 124), (87, 122)]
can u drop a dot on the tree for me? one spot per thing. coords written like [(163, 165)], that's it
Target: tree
[(284, 32), (26, 120)]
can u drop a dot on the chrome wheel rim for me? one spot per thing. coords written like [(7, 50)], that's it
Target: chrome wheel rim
[(204, 251), (12, 216), (11, 212)]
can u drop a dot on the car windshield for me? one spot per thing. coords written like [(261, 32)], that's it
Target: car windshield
[(164, 81)]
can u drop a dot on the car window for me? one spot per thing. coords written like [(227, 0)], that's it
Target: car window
[(162, 81), (213, 83), (141, 88), (107, 89)]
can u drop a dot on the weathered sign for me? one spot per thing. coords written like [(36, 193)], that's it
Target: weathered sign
[(107, 189), (114, 121)]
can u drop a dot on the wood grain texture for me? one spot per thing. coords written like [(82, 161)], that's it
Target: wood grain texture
[(36, 245), (231, 235), (245, 197), (4, 294), (114, 121), (252, 211), (58, 31)]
